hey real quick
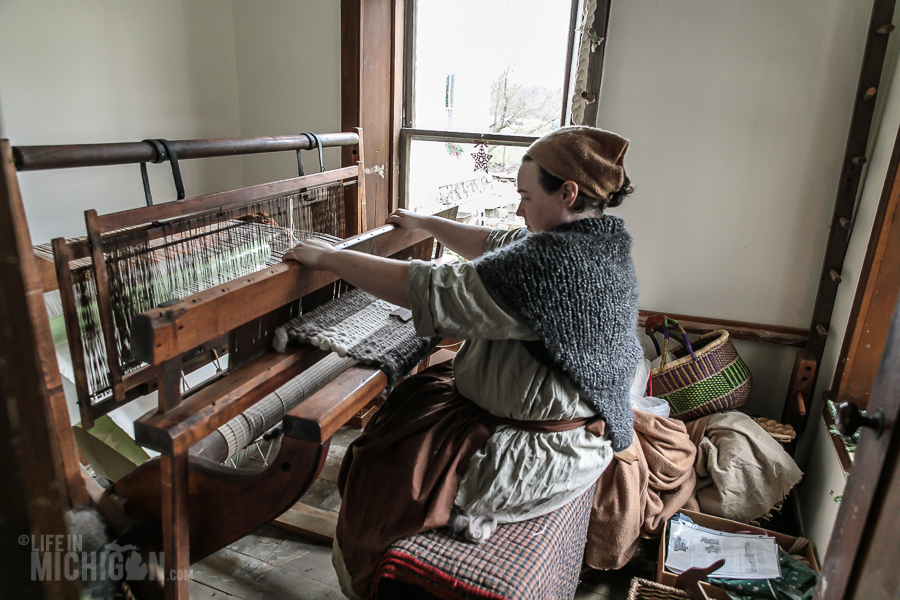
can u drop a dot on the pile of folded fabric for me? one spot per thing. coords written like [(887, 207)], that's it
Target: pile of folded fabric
[(724, 464)]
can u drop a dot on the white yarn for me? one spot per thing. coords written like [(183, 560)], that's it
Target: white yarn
[(476, 528), (53, 304), (584, 51), (280, 340)]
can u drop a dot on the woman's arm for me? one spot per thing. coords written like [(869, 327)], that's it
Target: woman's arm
[(466, 240), (382, 277)]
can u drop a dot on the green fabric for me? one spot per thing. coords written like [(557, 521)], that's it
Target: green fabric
[(109, 449), (58, 329), (797, 582)]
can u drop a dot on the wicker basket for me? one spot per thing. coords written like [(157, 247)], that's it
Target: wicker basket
[(641, 589), (707, 375)]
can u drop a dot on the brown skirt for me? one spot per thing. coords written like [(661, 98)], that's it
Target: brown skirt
[(401, 476)]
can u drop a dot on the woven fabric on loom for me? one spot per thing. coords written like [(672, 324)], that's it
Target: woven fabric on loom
[(243, 429), (360, 326)]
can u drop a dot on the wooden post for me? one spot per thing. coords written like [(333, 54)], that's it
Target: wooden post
[(176, 530), (361, 224), (800, 390), (73, 332), (174, 492), (398, 72), (595, 62), (367, 95), (104, 303), (32, 468)]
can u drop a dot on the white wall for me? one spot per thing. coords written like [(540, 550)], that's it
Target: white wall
[(825, 477), (112, 71), (289, 78), (738, 115)]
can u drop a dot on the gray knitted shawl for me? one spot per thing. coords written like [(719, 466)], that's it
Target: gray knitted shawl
[(575, 287)]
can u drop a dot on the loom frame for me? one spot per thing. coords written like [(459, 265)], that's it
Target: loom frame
[(126, 387), (182, 421), (199, 504)]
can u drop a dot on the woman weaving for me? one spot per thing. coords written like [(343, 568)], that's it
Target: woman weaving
[(536, 400)]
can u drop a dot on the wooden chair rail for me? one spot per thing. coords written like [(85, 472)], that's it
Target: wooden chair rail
[(751, 332)]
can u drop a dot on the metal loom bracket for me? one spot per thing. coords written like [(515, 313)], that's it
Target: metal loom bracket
[(164, 150), (314, 142)]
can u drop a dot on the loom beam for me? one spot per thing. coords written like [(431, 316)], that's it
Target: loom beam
[(35, 158), (200, 414)]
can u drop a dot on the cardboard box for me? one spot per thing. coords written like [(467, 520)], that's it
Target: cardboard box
[(784, 541)]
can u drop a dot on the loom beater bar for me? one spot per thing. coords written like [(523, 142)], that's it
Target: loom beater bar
[(164, 333)]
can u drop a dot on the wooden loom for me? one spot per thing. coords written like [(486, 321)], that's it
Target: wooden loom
[(192, 503)]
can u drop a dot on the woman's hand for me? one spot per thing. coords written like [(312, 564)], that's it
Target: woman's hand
[(311, 253), (407, 219)]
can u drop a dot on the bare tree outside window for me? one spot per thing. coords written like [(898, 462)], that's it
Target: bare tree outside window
[(522, 109), (473, 75)]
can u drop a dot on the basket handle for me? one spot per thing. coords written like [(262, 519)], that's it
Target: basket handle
[(662, 324)]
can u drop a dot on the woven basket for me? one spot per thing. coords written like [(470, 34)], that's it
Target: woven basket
[(641, 589), (779, 432), (707, 375)]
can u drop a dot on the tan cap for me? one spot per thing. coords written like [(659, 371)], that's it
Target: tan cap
[(590, 157)]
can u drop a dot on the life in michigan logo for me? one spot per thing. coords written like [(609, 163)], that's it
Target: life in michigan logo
[(58, 557)]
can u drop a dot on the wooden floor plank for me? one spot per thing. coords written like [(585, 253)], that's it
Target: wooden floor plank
[(251, 579), (331, 469), (201, 591), (310, 522)]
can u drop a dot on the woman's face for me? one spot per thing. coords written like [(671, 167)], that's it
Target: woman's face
[(543, 211)]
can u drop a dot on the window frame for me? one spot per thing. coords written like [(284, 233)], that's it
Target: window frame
[(408, 131)]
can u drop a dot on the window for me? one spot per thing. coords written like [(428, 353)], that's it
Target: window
[(484, 78)]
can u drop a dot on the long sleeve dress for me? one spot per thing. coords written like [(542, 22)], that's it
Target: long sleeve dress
[(518, 475)]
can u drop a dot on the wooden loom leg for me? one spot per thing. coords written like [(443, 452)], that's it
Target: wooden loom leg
[(33, 502), (175, 526), (221, 504), (174, 493)]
